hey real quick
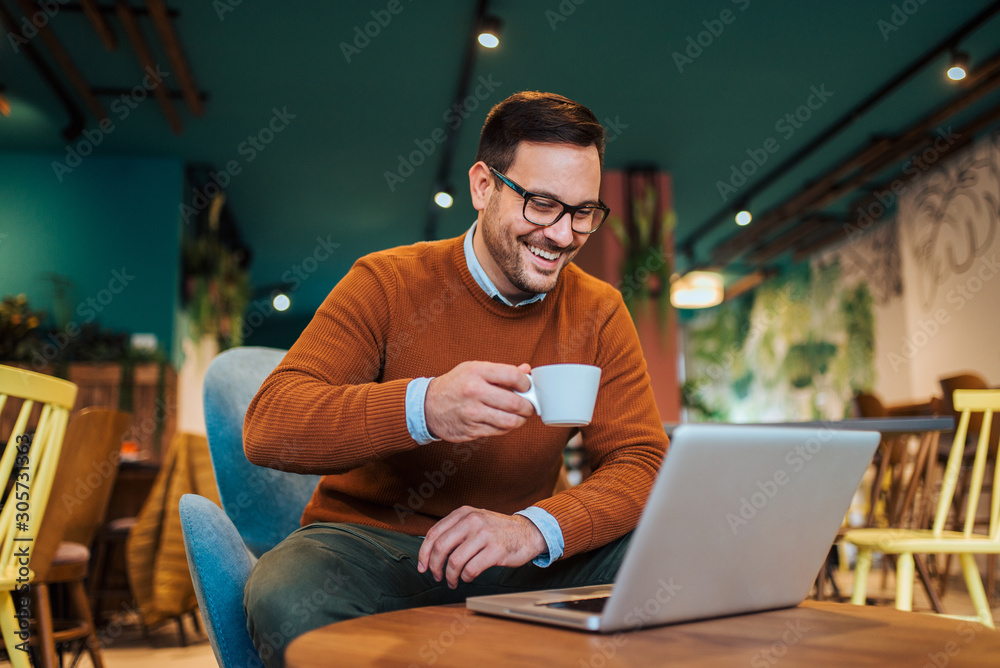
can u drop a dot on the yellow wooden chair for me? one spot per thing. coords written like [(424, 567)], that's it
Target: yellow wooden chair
[(29, 464), (966, 544)]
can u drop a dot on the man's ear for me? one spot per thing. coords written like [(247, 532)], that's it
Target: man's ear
[(481, 185)]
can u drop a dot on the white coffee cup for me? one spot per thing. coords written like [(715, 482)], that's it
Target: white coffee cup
[(564, 394)]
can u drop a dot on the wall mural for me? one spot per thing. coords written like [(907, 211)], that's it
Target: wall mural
[(802, 344), (797, 348), (874, 258), (953, 216)]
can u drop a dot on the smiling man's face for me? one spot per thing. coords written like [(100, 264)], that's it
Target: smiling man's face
[(521, 258)]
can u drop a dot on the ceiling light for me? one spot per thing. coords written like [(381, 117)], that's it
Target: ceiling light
[(444, 199), (743, 217), (489, 32), (281, 302), (959, 65), (697, 289)]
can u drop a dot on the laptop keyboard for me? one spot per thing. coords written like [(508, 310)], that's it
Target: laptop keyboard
[(595, 604)]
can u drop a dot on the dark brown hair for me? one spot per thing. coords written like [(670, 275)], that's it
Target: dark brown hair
[(532, 116)]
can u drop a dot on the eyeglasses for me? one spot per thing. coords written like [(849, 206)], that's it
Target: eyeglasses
[(544, 211)]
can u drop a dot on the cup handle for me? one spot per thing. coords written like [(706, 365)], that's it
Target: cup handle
[(531, 395)]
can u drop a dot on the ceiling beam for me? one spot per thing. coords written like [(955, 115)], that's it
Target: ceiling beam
[(831, 236), (100, 23), (76, 118), (747, 283), (871, 160), (803, 231), (846, 120), (966, 134), (178, 62), (145, 58), (65, 62), (118, 91)]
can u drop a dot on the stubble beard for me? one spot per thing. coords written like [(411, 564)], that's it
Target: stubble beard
[(506, 252)]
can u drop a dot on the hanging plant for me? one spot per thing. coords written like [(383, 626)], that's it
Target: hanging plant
[(216, 282), (642, 232)]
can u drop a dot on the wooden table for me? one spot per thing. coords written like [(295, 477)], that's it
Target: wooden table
[(813, 634)]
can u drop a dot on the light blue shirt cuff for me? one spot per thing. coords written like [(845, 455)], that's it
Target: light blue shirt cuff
[(416, 421), (551, 532)]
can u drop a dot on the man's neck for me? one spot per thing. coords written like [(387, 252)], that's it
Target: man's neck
[(489, 265)]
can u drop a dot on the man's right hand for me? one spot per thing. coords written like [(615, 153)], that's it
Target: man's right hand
[(476, 399)]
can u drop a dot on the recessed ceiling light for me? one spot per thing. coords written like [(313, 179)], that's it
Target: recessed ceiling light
[(444, 199), (959, 65), (489, 32)]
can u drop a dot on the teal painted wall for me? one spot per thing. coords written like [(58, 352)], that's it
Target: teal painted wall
[(111, 226)]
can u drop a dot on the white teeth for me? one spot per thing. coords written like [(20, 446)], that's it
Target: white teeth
[(541, 253)]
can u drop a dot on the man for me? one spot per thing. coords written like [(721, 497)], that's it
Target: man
[(438, 478)]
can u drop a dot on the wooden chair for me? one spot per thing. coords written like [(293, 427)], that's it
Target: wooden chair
[(29, 463), (83, 483), (968, 381), (966, 544), (899, 489)]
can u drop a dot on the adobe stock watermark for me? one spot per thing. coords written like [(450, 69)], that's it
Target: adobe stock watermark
[(696, 44), (121, 107), (786, 126), (88, 482), (613, 128), (641, 615), (959, 296), (433, 649), (259, 310), (434, 481), (87, 310), (30, 25), (454, 116), (966, 632), (898, 17), (769, 656), (309, 604), (727, 359), (363, 35), (586, 330), (562, 12), (415, 327), (797, 458), (914, 166), (249, 149), (223, 7)]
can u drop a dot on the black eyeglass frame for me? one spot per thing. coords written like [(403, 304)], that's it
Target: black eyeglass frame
[(566, 208)]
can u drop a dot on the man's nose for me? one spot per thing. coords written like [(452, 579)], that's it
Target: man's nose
[(561, 231)]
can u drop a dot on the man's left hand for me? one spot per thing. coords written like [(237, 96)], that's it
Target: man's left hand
[(469, 540)]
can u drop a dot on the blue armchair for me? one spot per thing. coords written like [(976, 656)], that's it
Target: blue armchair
[(262, 506)]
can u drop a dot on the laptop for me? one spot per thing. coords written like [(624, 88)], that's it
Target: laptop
[(740, 519)]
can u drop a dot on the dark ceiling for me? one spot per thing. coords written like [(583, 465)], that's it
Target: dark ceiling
[(343, 125)]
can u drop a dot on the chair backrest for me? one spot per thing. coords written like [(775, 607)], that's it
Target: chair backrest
[(82, 488), (220, 566), (869, 405), (265, 504), (969, 403), (962, 381), (31, 457)]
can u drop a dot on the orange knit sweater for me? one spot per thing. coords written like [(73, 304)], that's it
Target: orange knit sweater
[(335, 405)]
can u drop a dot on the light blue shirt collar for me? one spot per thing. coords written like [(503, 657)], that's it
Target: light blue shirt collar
[(479, 274)]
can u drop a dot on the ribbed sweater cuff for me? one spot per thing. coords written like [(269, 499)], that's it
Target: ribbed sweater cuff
[(385, 417), (574, 520)]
